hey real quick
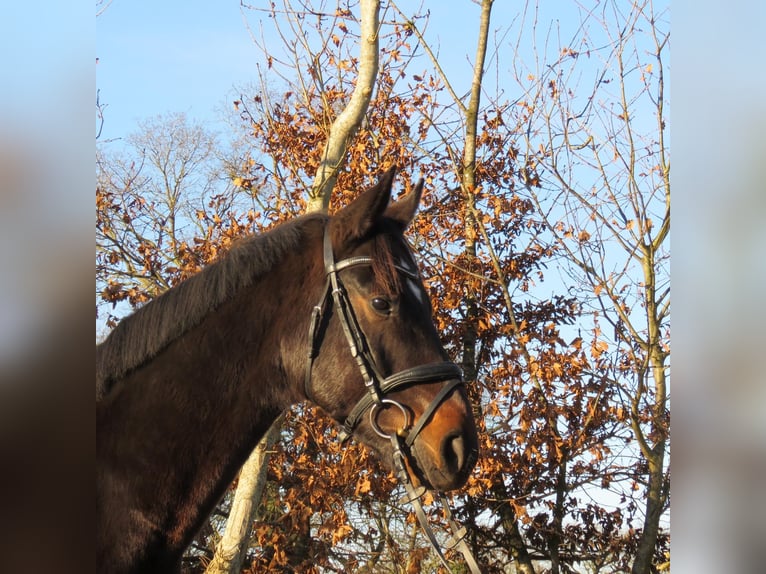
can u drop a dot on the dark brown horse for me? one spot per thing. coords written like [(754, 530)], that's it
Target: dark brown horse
[(329, 309)]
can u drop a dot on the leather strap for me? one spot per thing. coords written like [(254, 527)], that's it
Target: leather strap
[(431, 373), (458, 537), (378, 386), (426, 416), (414, 496)]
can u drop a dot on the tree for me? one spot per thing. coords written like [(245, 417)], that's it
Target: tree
[(164, 208), (582, 414), (345, 125), (602, 189), (540, 258)]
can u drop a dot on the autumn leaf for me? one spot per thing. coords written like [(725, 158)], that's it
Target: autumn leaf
[(363, 485), (598, 348), (341, 533)]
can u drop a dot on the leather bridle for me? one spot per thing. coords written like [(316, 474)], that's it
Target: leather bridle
[(379, 387)]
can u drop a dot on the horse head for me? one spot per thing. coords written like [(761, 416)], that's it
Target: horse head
[(376, 363)]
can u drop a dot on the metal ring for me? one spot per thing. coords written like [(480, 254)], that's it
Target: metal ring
[(374, 418)]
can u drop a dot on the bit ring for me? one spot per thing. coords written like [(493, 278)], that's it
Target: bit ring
[(374, 417)]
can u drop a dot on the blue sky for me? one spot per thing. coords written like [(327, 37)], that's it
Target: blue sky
[(165, 56), (159, 57)]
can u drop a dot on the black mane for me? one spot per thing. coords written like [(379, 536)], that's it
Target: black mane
[(142, 335)]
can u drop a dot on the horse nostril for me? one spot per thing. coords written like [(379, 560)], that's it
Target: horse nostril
[(453, 452)]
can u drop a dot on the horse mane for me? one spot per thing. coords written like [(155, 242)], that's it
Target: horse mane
[(143, 334), (384, 271)]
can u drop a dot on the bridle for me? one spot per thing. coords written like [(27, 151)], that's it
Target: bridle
[(379, 387)]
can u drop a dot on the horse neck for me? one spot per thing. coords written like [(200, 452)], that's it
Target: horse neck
[(184, 424)]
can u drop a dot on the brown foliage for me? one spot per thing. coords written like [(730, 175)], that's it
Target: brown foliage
[(556, 430)]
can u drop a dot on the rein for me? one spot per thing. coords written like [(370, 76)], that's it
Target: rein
[(378, 387)]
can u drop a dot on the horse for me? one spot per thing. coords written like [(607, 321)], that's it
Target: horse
[(329, 309)]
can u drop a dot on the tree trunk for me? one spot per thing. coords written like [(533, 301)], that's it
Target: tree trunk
[(518, 548), (654, 452), (230, 551), (657, 493), (468, 185), (346, 124), (654, 507), (554, 540)]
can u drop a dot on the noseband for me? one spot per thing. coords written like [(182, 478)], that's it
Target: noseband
[(376, 384), (379, 386)]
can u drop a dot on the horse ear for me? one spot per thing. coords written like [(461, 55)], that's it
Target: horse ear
[(356, 219), (403, 211)]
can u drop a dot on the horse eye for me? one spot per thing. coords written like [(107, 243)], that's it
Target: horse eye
[(381, 305)]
